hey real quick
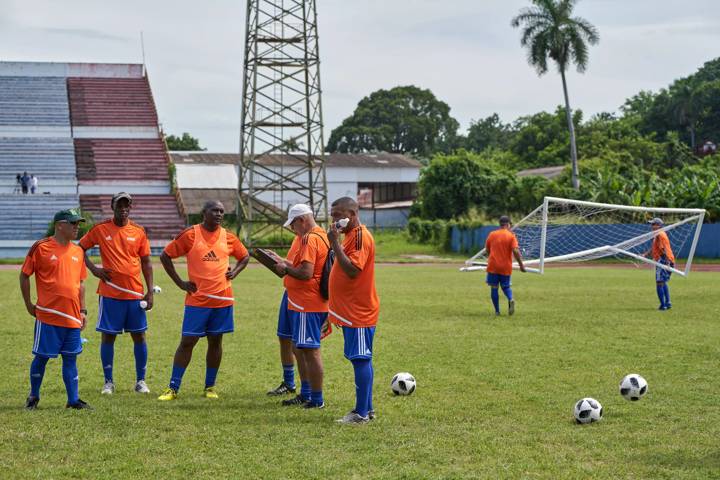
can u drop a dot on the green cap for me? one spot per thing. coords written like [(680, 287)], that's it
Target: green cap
[(69, 216)]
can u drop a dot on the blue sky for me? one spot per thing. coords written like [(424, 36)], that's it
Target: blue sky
[(463, 50)]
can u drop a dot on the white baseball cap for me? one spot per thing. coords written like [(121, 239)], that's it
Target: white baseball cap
[(297, 210)]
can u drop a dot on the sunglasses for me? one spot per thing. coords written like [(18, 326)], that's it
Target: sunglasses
[(71, 223)]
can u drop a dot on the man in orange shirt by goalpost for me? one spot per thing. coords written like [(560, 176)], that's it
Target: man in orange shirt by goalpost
[(125, 254), (60, 312), (500, 247), (662, 253), (209, 299), (354, 304)]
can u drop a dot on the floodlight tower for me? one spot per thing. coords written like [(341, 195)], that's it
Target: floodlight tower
[(281, 133)]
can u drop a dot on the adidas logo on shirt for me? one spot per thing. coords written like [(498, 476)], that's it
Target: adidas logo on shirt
[(210, 257), (108, 238), (53, 257)]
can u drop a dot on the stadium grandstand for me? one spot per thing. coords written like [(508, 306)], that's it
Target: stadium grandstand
[(87, 131)]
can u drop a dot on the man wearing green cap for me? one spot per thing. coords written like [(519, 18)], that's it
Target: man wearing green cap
[(59, 312)]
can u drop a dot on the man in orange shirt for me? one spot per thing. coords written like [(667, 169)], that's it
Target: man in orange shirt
[(662, 253), (125, 252), (303, 307), (60, 312), (354, 303), (500, 247), (209, 299)]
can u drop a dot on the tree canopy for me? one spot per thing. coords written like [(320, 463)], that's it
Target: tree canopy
[(400, 120), (184, 143)]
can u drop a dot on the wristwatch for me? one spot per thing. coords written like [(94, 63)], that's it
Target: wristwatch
[(83, 310)]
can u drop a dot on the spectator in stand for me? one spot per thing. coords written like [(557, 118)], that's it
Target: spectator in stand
[(18, 183), (33, 184), (25, 182)]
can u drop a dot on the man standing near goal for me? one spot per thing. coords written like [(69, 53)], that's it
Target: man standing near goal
[(663, 254), (209, 299), (500, 247), (125, 254), (354, 303), (60, 312)]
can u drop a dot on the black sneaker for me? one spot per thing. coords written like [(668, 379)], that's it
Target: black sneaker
[(511, 307), (296, 400), (31, 403), (313, 405), (80, 405), (283, 389)]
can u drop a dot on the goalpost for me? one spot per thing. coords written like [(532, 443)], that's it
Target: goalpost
[(564, 230)]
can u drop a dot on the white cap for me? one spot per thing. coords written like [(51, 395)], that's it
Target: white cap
[(297, 210)]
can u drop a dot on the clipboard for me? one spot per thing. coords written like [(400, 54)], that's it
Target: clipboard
[(264, 257)]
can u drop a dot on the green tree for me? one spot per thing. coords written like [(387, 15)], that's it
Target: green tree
[(400, 120), (550, 31), (185, 143), (489, 132)]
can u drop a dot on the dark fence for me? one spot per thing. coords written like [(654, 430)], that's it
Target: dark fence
[(472, 240)]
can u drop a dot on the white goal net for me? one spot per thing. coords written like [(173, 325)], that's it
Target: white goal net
[(563, 230)]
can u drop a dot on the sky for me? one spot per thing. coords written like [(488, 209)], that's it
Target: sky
[(464, 51)]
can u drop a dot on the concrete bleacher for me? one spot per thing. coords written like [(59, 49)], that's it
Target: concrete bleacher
[(52, 160), (26, 217), (111, 159), (111, 102), (158, 214), (31, 103)]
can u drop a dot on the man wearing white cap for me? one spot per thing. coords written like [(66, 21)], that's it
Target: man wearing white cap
[(303, 309)]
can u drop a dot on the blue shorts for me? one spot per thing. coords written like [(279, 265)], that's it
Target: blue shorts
[(118, 316), (51, 341), (358, 342), (306, 328), (285, 319), (495, 279), (662, 275), (201, 321)]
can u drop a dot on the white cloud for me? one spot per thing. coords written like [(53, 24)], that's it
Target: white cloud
[(463, 50)]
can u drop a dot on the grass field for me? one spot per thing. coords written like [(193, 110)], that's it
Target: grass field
[(494, 395)]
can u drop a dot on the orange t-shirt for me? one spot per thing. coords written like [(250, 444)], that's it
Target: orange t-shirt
[(120, 250), (659, 242), (501, 244), (304, 295), (208, 261), (354, 301), (58, 270)]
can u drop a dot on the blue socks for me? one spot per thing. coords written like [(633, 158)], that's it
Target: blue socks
[(176, 377), (107, 352), (508, 292), (305, 391), (370, 390), (363, 385), (289, 375), (666, 294), (316, 397), (37, 371), (210, 376), (141, 356), (495, 296), (70, 377), (660, 289)]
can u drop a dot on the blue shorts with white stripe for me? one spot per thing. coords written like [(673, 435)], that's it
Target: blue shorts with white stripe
[(306, 328), (51, 340), (358, 342)]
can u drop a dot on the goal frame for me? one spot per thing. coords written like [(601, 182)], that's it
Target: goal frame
[(697, 215)]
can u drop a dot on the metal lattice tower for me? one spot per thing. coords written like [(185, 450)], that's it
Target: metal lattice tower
[(281, 136)]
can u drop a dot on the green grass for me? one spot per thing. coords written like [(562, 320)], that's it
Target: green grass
[(494, 395)]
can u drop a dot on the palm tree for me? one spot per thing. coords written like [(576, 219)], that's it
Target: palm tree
[(550, 31)]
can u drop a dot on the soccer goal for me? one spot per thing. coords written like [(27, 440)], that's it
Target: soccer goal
[(564, 230)]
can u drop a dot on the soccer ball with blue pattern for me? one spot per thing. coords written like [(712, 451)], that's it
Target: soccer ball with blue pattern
[(588, 410), (403, 384), (633, 387)]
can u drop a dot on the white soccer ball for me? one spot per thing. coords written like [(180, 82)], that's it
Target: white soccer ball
[(633, 387), (403, 384), (157, 289), (588, 410)]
